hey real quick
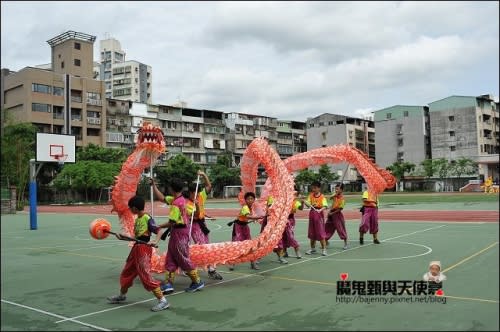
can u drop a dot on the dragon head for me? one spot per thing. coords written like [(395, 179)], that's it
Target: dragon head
[(150, 138)]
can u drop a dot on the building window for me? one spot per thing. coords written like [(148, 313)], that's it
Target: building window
[(399, 129), (57, 91), (118, 57), (388, 115), (453, 148), (41, 88), (94, 95), (122, 92), (405, 114), (62, 64), (211, 158), (77, 62), (35, 107), (77, 46), (400, 142), (57, 112), (452, 133), (93, 132), (451, 118)]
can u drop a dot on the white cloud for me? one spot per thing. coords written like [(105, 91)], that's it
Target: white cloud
[(291, 60)]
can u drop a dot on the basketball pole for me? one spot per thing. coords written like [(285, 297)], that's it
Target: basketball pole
[(32, 193)]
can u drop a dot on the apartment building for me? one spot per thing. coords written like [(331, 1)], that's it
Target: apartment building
[(403, 134), (197, 134), (466, 126), (242, 129), (291, 138), (64, 99), (3, 73), (119, 124), (125, 80), (330, 129)]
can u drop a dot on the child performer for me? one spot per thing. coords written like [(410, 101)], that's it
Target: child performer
[(335, 220), (139, 259), (316, 230), (178, 245), (269, 203), (241, 231), (369, 219), (289, 233), (199, 231), (279, 249)]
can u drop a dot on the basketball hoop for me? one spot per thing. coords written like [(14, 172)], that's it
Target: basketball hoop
[(56, 152), (60, 158)]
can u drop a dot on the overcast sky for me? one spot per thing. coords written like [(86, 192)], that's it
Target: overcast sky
[(289, 60)]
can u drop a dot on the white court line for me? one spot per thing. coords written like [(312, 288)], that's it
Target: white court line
[(429, 250), (250, 275), (58, 229), (65, 246), (56, 315)]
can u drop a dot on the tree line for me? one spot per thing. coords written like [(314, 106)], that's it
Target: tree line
[(96, 168)]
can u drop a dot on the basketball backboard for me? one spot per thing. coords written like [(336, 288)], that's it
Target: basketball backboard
[(55, 148)]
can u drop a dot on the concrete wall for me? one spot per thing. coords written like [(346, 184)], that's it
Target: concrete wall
[(454, 128)]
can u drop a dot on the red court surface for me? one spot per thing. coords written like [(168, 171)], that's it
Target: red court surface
[(401, 215)]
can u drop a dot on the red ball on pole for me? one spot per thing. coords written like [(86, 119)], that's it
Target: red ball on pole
[(99, 228)]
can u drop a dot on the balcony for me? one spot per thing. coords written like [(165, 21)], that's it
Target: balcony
[(95, 102), (94, 121), (212, 121)]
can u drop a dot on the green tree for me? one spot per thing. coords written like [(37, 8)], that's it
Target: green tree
[(463, 166), (399, 168), (18, 147), (326, 176), (72, 176), (305, 177), (223, 174), (178, 167), (428, 167), (442, 168), (96, 152), (87, 176)]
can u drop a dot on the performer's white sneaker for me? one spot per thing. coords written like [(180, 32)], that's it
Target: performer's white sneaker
[(310, 252)]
